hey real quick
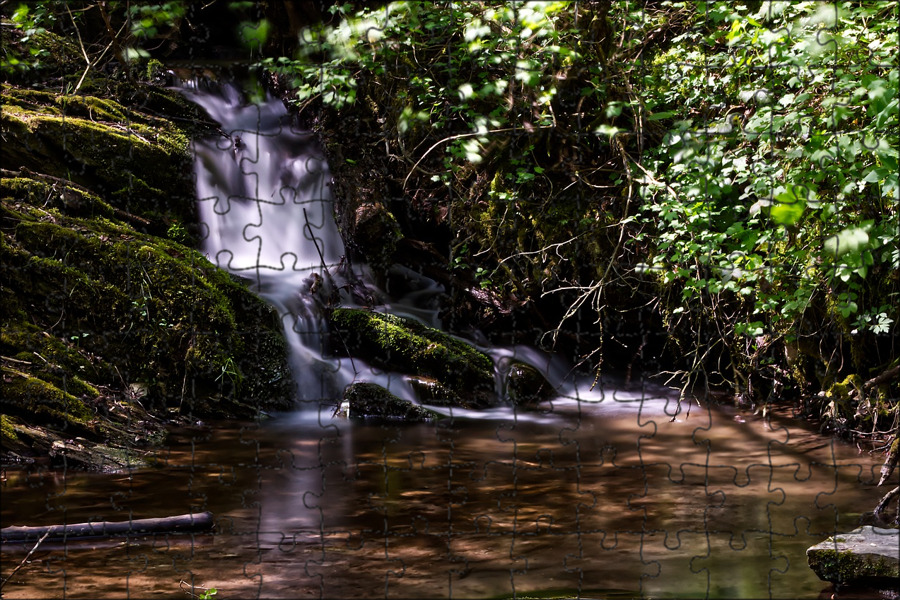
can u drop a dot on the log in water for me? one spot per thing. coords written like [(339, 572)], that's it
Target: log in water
[(176, 524)]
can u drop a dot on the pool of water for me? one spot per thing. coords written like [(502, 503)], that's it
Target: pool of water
[(624, 495)]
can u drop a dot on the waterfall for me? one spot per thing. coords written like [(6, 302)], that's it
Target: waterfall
[(265, 203), (264, 198)]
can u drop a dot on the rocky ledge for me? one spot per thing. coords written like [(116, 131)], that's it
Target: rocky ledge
[(868, 556)]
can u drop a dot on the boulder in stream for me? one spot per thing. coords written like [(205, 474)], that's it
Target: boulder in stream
[(405, 346), (866, 556), (526, 386), (363, 400)]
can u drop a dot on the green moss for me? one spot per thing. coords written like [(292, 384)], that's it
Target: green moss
[(851, 383), (95, 298), (59, 195), (8, 431), (407, 346), (847, 566), (43, 402), (842, 398), (370, 400), (159, 311), (140, 164)]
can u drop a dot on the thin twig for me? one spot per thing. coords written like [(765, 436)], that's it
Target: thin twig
[(887, 500), (460, 136), (24, 560), (595, 290), (84, 53)]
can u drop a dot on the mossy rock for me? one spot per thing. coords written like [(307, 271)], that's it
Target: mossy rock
[(406, 346), (155, 310), (29, 444), (431, 391), (371, 401), (138, 163), (91, 306), (40, 400), (62, 195), (526, 386), (865, 555), (376, 232), (112, 325)]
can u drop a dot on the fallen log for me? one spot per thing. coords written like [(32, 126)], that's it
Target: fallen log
[(101, 529)]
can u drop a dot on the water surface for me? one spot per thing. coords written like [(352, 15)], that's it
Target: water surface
[(608, 498)]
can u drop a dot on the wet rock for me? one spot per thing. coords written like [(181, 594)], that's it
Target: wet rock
[(526, 386), (371, 401), (376, 232), (129, 443), (865, 556), (138, 163), (406, 346), (102, 288), (431, 391)]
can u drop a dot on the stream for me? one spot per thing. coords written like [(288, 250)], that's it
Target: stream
[(599, 499), (614, 490)]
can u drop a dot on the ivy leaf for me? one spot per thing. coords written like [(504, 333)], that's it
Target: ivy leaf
[(792, 202), (607, 130)]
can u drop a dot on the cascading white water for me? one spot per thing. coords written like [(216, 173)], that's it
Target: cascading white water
[(264, 198)]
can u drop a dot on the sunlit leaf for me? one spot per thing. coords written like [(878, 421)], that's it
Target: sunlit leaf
[(851, 239)]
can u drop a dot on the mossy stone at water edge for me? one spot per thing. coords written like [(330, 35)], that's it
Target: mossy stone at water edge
[(865, 555), (526, 386), (406, 346), (365, 400), (112, 326)]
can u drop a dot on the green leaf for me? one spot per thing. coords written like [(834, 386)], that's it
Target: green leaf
[(613, 109), (787, 214), (254, 35), (852, 239), (661, 115), (607, 130), (135, 54)]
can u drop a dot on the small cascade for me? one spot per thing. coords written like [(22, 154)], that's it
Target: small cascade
[(264, 197), (265, 201)]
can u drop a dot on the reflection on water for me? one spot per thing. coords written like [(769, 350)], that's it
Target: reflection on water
[(606, 498)]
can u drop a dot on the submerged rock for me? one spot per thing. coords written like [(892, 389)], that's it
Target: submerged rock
[(865, 556)]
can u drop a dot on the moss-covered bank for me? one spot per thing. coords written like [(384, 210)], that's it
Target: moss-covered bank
[(112, 323)]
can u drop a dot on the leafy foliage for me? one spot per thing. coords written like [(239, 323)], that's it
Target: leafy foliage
[(31, 20), (775, 191), (475, 104), (474, 68), (755, 148)]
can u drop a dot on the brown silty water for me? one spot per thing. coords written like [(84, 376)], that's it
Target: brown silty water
[(609, 498)]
